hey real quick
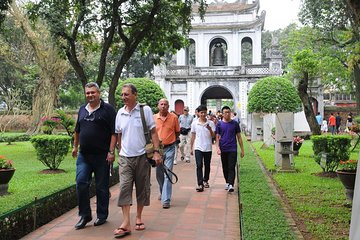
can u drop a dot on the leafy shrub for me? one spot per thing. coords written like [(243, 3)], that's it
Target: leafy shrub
[(49, 124), (14, 138), (148, 92), (60, 118), (66, 121), (336, 147), (273, 95), (51, 149)]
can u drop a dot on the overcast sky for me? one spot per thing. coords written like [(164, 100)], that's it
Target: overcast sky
[(279, 13)]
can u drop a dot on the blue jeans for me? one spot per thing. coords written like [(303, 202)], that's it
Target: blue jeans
[(199, 157), (164, 184), (87, 164)]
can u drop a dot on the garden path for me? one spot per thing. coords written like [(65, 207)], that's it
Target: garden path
[(212, 214)]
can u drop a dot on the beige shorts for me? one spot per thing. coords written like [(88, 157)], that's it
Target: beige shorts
[(134, 170)]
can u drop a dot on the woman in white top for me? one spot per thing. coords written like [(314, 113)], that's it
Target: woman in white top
[(202, 132)]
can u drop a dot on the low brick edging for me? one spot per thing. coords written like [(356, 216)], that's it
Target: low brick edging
[(18, 223)]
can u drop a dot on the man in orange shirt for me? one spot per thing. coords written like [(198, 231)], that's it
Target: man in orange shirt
[(168, 129), (332, 123)]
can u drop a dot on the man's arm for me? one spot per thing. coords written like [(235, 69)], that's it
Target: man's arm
[(111, 154), (76, 144), (193, 135), (242, 154), (156, 142), (218, 144)]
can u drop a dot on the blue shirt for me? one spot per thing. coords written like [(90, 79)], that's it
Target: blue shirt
[(319, 119)]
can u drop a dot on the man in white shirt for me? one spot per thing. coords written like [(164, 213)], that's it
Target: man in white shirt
[(202, 132), (133, 165)]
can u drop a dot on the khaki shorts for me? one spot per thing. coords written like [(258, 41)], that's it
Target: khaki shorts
[(134, 170)]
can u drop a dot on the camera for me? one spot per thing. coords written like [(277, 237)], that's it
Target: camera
[(151, 162)]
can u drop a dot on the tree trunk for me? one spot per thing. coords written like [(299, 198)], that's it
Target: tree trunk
[(356, 72), (308, 109), (53, 68), (44, 97)]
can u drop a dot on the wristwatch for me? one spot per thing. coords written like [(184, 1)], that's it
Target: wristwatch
[(111, 152)]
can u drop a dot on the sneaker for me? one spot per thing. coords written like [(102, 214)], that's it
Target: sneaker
[(206, 185), (175, 162), (166, 205), (182, 158), (200, 188), (226, 186), (231, 188), (187, 160)]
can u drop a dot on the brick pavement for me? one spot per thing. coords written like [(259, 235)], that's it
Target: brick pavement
[(212, 214)]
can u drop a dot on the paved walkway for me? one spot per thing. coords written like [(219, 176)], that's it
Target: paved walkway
[(212, 214)]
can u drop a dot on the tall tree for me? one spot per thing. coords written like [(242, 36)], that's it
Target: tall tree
[(52, 68), (310, 60), (115, 28), (338, 21)]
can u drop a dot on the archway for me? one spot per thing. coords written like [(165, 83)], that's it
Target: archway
[(215, 97), (179, 107)]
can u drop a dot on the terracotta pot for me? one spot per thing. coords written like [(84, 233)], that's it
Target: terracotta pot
[(347, 178)]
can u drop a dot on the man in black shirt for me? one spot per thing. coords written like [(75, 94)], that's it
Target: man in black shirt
[(95, 132)]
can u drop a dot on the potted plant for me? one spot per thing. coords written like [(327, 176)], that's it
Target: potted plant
[(6, 172), (347, 173), (297, 142)]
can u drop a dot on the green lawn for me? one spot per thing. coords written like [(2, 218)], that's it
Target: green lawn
[(263, 217), (319, 202), (27, 182)]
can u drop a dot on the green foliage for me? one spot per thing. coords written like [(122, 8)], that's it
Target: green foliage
[(66, 121), (273, 95), (49, 124), (336, 148), (5, 163), (152, 27), (319, 202), (148, 92), (51, 149)]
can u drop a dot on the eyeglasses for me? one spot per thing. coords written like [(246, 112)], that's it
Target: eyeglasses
[(186, 110), (90, 117)]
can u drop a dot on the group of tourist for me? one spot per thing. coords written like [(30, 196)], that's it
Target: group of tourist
[(333, 124), (100, 130)]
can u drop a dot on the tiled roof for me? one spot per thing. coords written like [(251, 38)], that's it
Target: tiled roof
[(227, 7)]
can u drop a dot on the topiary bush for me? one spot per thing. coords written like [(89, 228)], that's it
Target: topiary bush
[(51, 149), (273, 95), (148, 92), (336, 148)]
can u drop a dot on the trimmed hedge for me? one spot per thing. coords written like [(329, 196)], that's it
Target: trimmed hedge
[(15, 138), (336, 148)]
